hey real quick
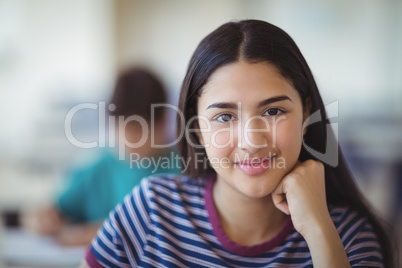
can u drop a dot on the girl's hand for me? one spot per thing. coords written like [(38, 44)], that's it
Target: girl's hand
[(301, 193)]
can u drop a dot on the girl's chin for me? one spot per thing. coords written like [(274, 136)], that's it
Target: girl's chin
[(257, 193), (257, 190), (253, 186)]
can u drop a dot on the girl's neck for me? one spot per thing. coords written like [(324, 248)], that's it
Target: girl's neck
[(247, 221)]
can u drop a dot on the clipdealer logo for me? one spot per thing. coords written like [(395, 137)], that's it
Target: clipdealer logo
[(330, 156)]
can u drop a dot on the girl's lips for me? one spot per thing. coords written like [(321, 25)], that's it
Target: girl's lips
[(255, 167)]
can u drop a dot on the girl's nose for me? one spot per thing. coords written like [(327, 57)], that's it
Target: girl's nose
[(254, 134)]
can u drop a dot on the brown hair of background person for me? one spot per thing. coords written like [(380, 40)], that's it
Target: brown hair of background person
[(136, 88)]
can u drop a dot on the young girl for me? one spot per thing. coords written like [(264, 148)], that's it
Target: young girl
[(253, 196)]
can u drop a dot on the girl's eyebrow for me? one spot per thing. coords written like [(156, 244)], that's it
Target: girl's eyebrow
[(223, 105), (231, 105), (273, 99)]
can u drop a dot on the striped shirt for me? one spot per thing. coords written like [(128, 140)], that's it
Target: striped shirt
[(171, 221)]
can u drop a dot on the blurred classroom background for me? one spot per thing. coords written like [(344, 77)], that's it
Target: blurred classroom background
[(55, 54)]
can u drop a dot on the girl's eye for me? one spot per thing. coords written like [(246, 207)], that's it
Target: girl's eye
[(273, 111), (224, 118)]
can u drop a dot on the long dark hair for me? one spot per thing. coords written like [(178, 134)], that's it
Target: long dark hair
[(258, 41)]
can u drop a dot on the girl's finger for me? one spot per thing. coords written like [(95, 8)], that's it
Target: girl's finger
[(281, 203)]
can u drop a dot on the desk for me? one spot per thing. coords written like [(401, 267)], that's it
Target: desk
[(24, 249)]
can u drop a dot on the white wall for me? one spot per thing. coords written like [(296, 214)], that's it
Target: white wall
[(50, 51), (164, 34)]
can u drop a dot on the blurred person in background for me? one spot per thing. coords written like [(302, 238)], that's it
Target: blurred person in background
[(95, 189)]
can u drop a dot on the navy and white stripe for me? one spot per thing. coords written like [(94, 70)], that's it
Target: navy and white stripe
[(165, 223)]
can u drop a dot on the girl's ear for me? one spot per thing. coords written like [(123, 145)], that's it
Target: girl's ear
[(306, 114)]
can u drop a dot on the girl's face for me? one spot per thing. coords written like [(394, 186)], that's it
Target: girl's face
[(251, 125)]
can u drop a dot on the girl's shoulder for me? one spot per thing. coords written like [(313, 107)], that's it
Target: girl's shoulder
[(173, 183), (159, 190), (355, 230), (344, 216)]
